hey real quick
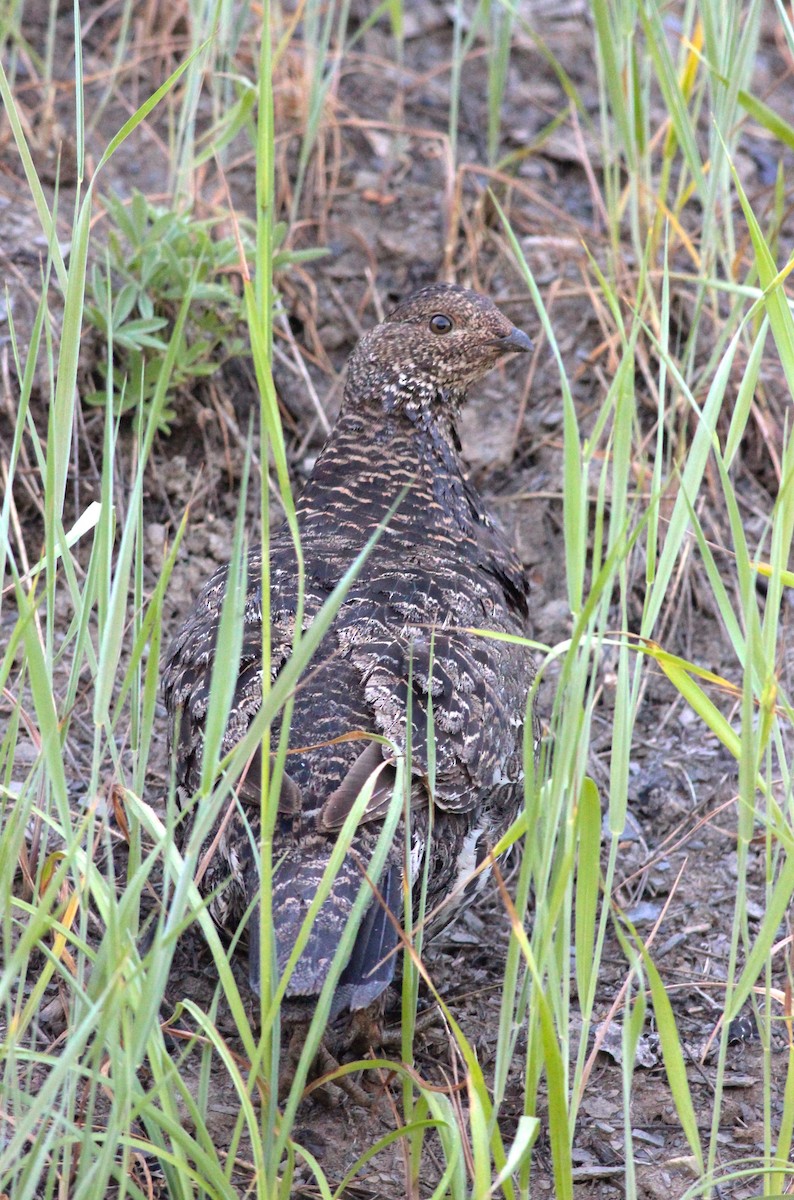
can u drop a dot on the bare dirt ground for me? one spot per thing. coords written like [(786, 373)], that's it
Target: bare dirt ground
[(385, 200)]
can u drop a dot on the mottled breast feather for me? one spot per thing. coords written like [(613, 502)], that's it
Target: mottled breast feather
[(402, 641)]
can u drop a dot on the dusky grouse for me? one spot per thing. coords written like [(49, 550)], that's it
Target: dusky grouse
[(441, 569)]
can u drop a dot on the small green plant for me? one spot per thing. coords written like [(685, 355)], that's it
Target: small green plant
[(166, 302)]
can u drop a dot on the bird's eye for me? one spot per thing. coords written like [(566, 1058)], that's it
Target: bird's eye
[(440, 323)]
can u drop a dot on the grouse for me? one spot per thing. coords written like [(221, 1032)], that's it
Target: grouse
[(405, 640)]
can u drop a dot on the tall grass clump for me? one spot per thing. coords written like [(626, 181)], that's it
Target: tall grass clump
[(75, 1113), (100, 1095), (679, 209)]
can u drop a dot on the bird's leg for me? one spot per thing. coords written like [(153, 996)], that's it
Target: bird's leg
[(391, 1037), (364, 1029), (329, 1091), (346, 1084)]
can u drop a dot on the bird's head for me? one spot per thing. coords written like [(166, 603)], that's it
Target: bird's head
[(429, 349)]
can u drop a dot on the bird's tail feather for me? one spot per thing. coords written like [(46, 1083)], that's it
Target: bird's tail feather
[(370, 968), (371, 965)]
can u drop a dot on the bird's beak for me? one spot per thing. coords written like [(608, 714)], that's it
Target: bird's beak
[(516, 341)]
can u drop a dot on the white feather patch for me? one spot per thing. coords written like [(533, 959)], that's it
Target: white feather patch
[(467, 860)]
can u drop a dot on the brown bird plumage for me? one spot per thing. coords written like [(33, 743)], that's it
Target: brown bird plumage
[(442, 567)]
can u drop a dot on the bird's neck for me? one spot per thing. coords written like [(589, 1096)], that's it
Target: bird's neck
[(370, 459)]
